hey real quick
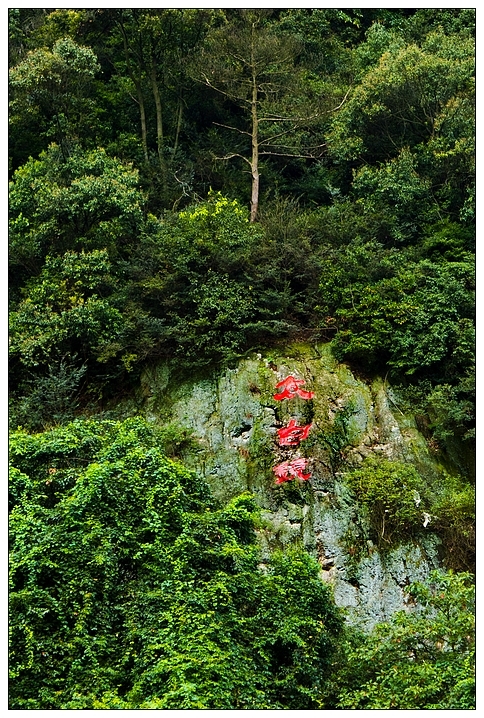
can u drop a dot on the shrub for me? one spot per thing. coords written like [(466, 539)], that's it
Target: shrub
[(454, 518), (414, 316), (50, 399), (194, 272), (389, 492), (131, 589), (423, 659)]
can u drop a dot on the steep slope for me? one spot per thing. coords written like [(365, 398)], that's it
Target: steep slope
[(234, 419)]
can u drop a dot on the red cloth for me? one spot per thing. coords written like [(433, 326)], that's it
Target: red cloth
[(290, 389), (292, 434), (289, 470)]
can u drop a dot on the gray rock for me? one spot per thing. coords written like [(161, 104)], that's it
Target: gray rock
[(234, 419)]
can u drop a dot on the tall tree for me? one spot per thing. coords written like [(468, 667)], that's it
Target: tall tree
[(156, 44), (412, 101), (255, 68), (51, 89)]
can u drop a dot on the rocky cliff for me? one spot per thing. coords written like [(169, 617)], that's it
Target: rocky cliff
[(234, 420)]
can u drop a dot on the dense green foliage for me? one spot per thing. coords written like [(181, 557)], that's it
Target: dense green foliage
[(389, 491), (131, 589), (417, 315), (194, 184), (120, 120), (423, 659), (397, 503)]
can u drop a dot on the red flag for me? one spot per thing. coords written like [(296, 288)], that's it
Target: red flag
[(290, 389), (292, 434), (289, 470)]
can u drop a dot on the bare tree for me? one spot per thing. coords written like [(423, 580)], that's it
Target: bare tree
[(255, 68)]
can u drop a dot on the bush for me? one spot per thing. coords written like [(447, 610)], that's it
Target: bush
[(398, 503), (67, 311), (194, 272), (423, 659), (454, 518), (389, 492), (50, 399), (131, 589), (87, 201), (414, 316)]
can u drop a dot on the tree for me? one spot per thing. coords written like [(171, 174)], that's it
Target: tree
[(255, 68), (63, 313), (130, 588), (156, 46), (423, 659), (52, 89), (72, 223), (417, 317), (87, 200), (194, 271), (413, 100), (21, 25)]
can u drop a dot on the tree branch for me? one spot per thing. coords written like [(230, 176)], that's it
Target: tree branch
[(302, 120), (269, 140), (228, 127), (296, 155), (341, 103), (234, 154), (207, 82)]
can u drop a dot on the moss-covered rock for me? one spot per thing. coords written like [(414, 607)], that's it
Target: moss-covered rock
[(234, 419)]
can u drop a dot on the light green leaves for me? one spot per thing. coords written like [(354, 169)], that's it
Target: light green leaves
[(423, 658), (130, 588)]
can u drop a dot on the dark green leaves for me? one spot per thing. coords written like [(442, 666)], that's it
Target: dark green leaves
[(87, 200), (416, 315)]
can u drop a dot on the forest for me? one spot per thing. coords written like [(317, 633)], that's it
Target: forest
[(193, 186)]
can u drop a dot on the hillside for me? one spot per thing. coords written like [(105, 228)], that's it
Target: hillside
[(242, 358)]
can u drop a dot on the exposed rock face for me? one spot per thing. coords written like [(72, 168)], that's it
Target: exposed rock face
[(234, 419)]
